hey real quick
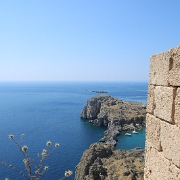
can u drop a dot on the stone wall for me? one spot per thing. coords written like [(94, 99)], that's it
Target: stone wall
[(162, 159)]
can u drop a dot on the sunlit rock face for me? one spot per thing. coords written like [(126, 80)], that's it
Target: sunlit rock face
[(115, 114), (103, 110)]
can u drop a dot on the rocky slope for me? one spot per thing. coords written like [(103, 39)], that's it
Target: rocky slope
[(101, 162), (104, 109), (117, 115)]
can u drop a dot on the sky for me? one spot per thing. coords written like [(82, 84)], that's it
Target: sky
[(84, 40)]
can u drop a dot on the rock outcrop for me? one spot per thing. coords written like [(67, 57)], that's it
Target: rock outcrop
[(104, 109), (90, 166), (117, 115), (101, 162)]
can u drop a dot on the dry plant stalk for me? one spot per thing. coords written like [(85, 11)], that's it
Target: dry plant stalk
[(36, 172)]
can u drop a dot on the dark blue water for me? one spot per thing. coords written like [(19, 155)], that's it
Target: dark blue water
[(51, 111)]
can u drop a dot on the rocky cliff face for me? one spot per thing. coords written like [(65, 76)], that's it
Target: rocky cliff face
[(101, 162), (117, 115), (90, 166), (104, 110)]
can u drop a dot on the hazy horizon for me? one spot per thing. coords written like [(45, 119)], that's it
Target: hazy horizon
[(84, 40)]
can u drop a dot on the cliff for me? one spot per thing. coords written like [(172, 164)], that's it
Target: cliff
[(104, 109), (101, 162), (115, 114)]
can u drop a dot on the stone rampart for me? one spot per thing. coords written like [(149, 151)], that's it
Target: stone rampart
[(162, 159)]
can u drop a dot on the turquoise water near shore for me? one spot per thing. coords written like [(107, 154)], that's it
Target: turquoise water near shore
[(129, 142), (51, 111)]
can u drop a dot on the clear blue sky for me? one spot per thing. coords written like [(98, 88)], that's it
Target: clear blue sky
[(102, 40)]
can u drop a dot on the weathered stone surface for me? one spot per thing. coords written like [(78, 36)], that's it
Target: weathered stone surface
[(164, 99), (150, 102), (177, 108), (159, 69), (157, 167), (174, 73), (153, 131), (164, 68), (163, 118), (170, 142)]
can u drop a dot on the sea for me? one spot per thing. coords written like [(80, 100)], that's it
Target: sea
[(50, 111)]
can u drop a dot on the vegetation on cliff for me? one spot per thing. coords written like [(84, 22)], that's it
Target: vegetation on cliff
[(104, 109), (101, 162), (115, 114)]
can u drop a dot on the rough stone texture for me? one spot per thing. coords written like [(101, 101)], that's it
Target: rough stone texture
[(164, 68), (174, 73), (159, 69), (90, 164), (157, 167), (162, 157), (170, 141), (163, 99), (177, 108), (153, 131), (101, 162), (150, 102)]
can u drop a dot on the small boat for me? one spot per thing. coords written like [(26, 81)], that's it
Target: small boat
[(134, 132), (128, 134)]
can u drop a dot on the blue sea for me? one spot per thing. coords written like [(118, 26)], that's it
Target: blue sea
[(51, 111)]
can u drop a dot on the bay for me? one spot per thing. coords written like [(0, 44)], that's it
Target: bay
[(51, 111)]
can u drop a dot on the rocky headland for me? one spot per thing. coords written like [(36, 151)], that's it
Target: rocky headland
[(102, 162), (115, 114)]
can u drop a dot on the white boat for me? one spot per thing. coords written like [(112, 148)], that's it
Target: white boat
[(134, 132), (128, 134)]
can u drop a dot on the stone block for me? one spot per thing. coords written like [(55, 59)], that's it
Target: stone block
[(159, 69), (164, 99), (177, 108), (158, 167), (174, 70), (150, 99), (170, 142), (153, 131)]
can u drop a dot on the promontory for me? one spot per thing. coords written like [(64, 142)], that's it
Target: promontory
[(115, 114)]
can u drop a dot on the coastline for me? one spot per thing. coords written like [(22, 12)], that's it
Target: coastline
[(52, 110)]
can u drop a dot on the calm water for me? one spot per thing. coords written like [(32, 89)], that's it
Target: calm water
[(51, 111)]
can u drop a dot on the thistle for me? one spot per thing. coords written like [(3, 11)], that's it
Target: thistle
[(48, 143), (30, 171), (46, 168), (24, 148), (68, 173), (57, 145), (11, 136)]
